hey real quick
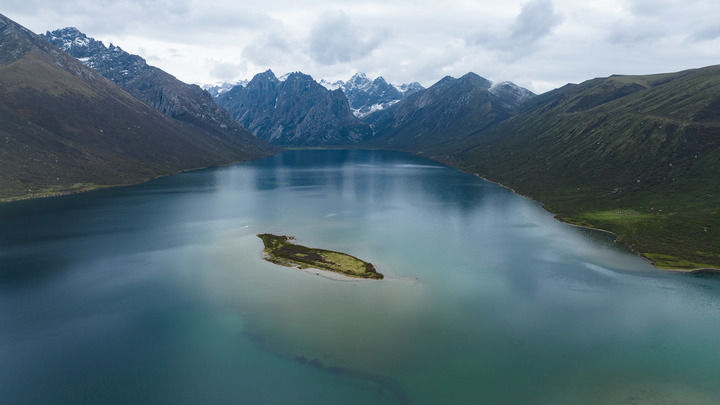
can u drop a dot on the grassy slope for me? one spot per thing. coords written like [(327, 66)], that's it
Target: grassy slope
[(636, 155)]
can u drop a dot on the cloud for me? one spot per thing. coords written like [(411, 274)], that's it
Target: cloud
[(536, 20), (226, 71), (335, 39), (651, 8), (708, 33), (635, 32), (536, 43), (270, 48)]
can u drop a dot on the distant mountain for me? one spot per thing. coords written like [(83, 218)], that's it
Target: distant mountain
[(331, 85), (512, 94), (636, 155), (216, 90), (409, 88), (157, 88), (296, 111), (367, 96), (445, 113), (65, 128)]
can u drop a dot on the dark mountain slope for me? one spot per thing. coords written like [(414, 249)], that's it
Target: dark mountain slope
[(443, 114), (157, 88), (637, 155), (65, 128), (296, 111)]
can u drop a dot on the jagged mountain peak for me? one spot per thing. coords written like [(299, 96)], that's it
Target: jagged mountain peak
[(68, 31), (358, 77), (366, 96), (299, 76), (266, 75), (111, 61), (296, 111), (379, 81), (75, 42)]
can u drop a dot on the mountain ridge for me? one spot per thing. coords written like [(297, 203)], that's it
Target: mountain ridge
[(297, 111), (66, 128), (157, 88), (448, 110)]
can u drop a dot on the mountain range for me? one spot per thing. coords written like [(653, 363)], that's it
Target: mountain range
[(296, 111), (366, 96), (66, 128), (445, 113)]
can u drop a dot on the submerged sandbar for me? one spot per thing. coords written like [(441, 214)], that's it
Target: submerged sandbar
[(280, 250)]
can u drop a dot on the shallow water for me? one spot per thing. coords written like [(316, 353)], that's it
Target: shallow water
[(158, 293)]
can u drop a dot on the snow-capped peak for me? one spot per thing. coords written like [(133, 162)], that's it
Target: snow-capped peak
[(408, 88), (359, 81), (219, 88), (331, 85), (510, 88), (69, 38)]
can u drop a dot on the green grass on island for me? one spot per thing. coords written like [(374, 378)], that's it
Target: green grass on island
[(280, 250)]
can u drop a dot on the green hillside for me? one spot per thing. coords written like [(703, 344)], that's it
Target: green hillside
[(636, 155)]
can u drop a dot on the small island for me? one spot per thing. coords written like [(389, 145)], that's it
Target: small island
[(279, 250)]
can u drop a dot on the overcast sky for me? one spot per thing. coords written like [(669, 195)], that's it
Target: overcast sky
[(539, 44)]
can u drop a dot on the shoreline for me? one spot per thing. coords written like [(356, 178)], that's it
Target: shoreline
[(326, 274), (636, 253), (695, 270), (336, 276), (97, 187), (329, 275)]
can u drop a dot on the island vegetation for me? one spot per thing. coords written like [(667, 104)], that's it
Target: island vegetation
[(280, 250)]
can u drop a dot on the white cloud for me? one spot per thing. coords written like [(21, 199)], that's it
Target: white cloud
[(535, 43), (535, 21), (336, 39)]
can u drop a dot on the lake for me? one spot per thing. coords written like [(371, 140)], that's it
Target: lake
[(158, 293)]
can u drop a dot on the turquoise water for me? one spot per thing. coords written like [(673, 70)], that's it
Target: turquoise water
[(158, 293)]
